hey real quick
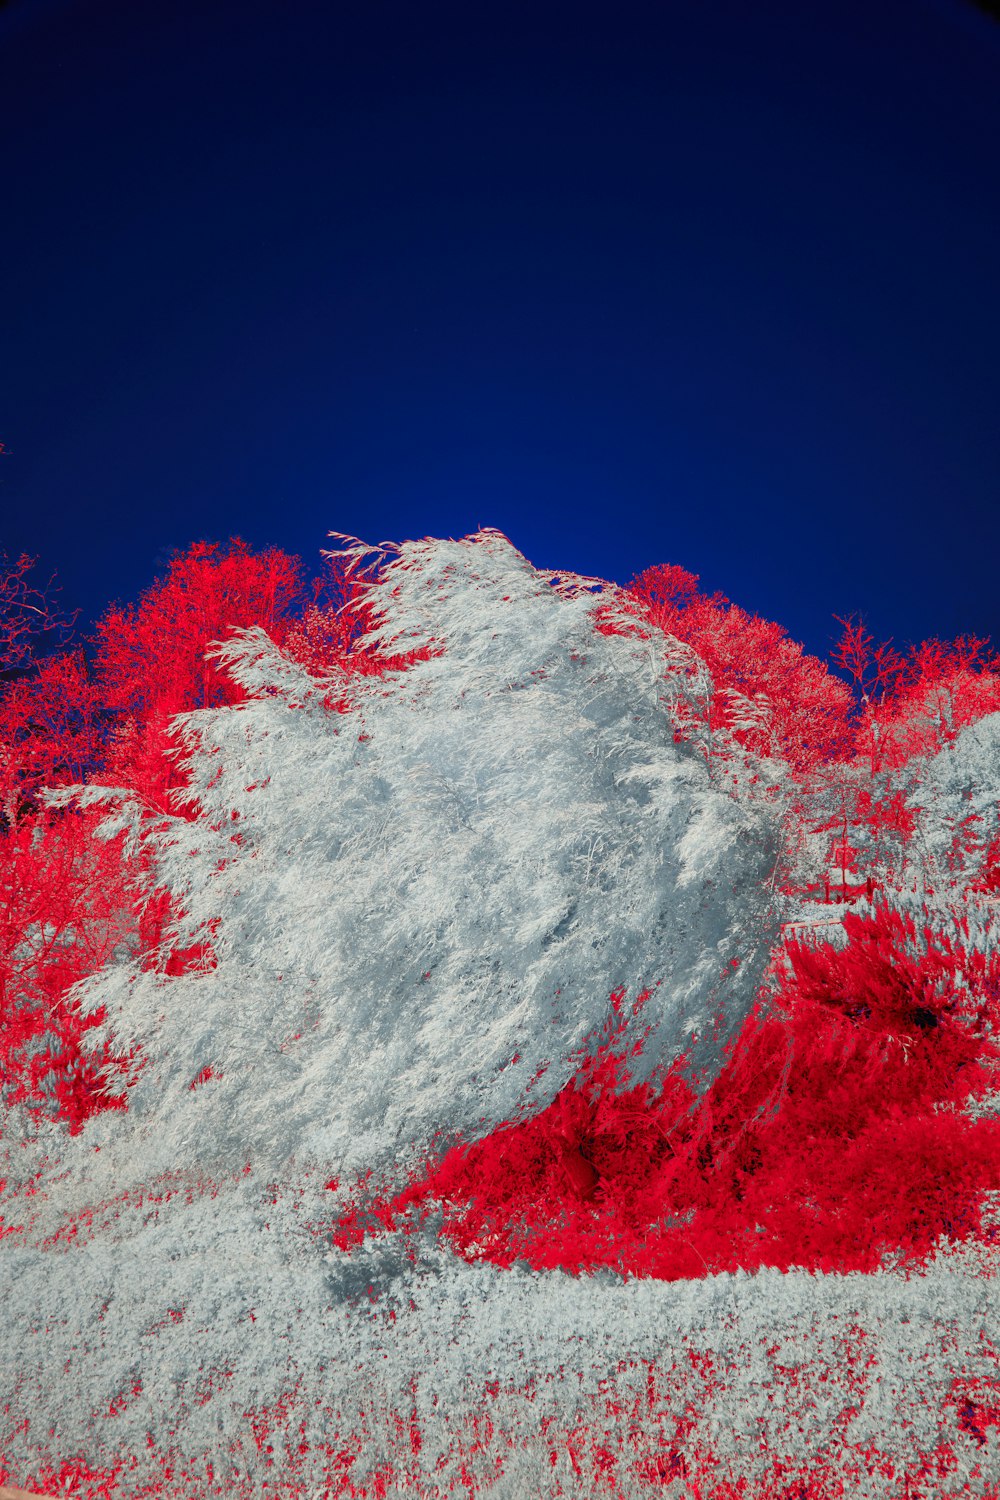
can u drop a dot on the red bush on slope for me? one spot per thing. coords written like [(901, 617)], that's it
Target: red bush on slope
[(833, 1137), (65, 907), (765, 690)]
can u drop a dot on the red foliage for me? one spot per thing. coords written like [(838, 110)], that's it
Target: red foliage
[(29, 615), (150, 660), (66, 907), (51, 732), (945, 687), (70, 901), (833, 1137), (774, 698), (915, 703), (874, 668), (328, 638)]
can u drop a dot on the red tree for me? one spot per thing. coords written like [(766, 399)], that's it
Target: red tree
[(29, 614), (150, 658), (775, 699)]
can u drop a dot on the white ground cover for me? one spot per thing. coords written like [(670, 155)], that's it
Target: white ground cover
[(225, 1307)]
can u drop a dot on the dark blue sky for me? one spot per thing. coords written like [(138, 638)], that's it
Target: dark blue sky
[(697, 281)]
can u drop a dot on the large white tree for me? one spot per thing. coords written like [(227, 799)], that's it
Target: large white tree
[(418, 908)]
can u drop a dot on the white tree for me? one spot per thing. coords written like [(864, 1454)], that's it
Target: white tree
[(419, 908)]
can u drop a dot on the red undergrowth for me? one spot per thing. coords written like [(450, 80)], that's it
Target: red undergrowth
[(834, 1136)]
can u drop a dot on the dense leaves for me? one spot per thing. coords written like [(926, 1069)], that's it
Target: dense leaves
[(71, 901), (323, 841), (875, 1028)]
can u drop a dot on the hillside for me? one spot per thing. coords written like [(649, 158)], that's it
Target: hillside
[(466, 1028)]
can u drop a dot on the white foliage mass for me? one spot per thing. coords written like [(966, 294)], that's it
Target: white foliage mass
[(419, 907), (953, 796), (209, 1315)]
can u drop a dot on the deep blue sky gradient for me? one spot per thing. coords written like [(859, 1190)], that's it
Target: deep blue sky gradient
[(696, 281)]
